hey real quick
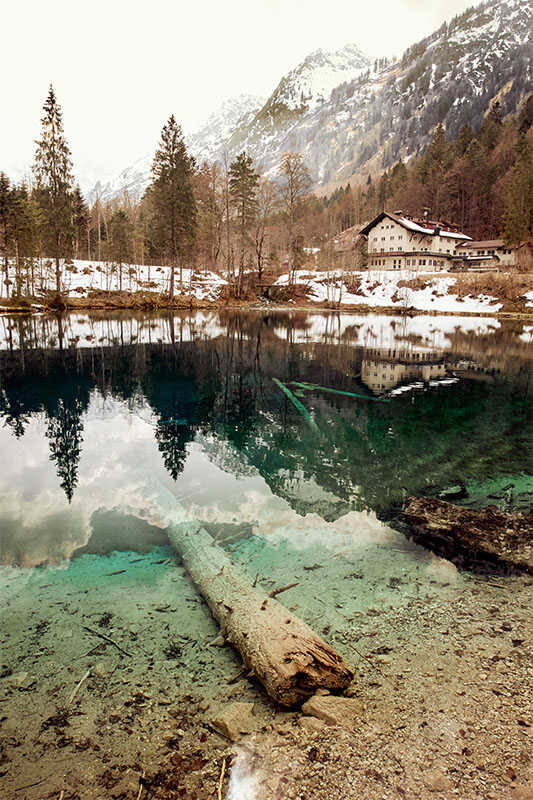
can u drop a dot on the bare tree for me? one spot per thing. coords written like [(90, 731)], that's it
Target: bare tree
[(267, 203), (295, 182), (229, 256)]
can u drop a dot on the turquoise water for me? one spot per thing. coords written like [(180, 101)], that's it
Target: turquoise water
[(248, 417), (295, 439)]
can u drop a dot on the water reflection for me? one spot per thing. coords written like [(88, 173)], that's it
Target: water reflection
[(93, 407)]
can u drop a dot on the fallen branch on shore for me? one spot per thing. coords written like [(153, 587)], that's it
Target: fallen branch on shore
[(78, 686), (485, 533)]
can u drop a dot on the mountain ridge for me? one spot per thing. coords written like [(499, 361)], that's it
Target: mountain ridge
[(351, 116)]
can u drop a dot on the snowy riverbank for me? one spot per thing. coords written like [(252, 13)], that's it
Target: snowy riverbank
[(104, 285)]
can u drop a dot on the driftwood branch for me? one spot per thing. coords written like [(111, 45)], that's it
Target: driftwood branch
[(106, 639), (77, 687), (281, 589)]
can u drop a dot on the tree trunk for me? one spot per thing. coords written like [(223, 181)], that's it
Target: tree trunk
[(285, 654), (58, 276), (467, 535)]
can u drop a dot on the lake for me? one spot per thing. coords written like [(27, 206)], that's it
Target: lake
[(295, 438)]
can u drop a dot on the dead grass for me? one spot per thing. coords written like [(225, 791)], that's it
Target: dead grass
[(414, 283), (508, 287), (353, 283)]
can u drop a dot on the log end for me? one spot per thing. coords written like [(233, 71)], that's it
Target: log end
[(311, 665)]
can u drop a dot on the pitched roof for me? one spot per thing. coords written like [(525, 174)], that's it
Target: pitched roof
[(427, 227), (487, 243)]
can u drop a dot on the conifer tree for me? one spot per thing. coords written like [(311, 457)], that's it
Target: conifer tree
[(81, 217), (120, 244), (6, 226), (53, 175), (25, 236), (243, 180), (466, 134), (173, 205), (518, 215), (437, 161)]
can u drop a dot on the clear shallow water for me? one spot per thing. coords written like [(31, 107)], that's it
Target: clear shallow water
[(252, 420), (295, 439)]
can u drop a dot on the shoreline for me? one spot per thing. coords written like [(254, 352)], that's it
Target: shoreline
[(255, 306), (411, 718)]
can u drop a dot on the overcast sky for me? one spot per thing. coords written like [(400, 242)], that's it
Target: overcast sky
[(121, 67)]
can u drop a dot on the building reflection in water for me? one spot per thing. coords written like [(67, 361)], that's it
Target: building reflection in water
[(382, 369)]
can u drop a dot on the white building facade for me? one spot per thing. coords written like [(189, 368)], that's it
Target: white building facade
[(489, 253), (396, 241)]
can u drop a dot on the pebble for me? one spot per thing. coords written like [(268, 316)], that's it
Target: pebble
[(437, 781)]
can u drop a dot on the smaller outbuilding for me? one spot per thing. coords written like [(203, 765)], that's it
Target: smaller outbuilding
[(491, 253)]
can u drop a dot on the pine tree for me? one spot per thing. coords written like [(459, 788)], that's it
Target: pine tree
[(53, 175), (25, 235), (120, 244), (173, 205), (81, 217), (518, 215), (6, 225), (437, 161), (243, 180), (466, 134)]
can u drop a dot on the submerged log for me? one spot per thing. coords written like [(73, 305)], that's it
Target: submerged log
[(487, 533), (283, 652)]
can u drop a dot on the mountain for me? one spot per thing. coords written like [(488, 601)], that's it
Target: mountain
[(299, 92), (217, 129), (234, 113), (350, 115), (390, 110)]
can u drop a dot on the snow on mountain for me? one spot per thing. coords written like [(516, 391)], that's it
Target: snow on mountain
[(390, 110), (220, 124), (131, 181), (312, 81), (349, 115), (214, 132)]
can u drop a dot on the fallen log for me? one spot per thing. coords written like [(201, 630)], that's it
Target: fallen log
[(489, 534), (282, 651)]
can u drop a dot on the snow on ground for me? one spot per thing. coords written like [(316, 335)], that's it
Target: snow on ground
[(80, 277), (369, 288), (527, 334), (380, 288)]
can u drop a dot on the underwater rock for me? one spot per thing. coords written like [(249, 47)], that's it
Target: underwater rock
[(437, 781), (343, 711), (235, 720)]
